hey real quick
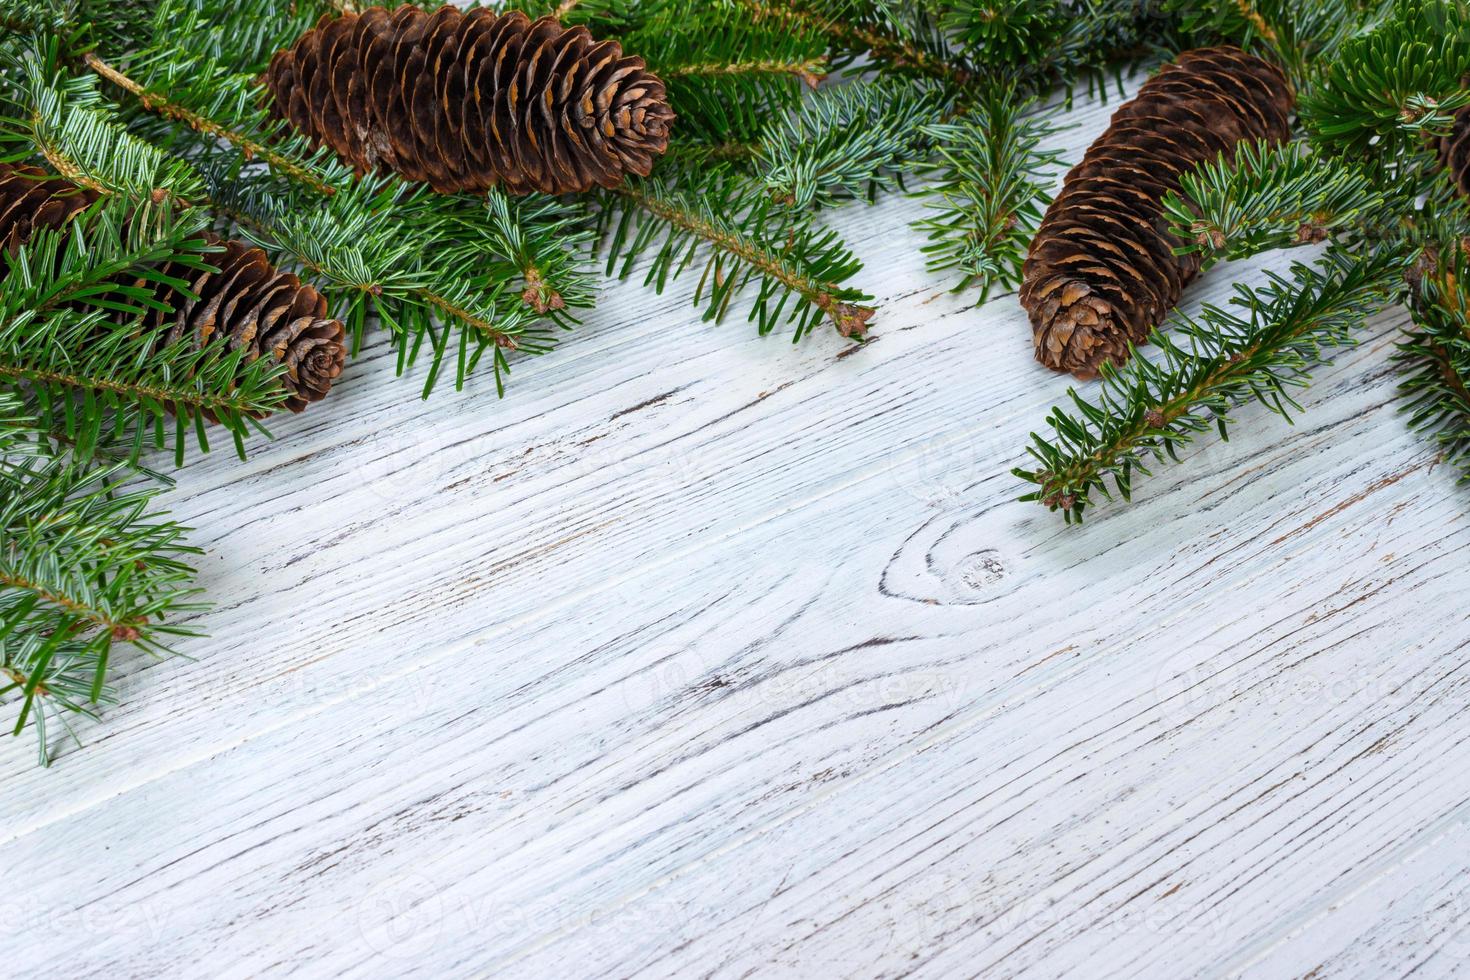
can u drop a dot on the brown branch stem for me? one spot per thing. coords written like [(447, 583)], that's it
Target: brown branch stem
[(499, 337), (1251, 14), (155, 102), (22, 681), (1447, 371), (849, 319), (809, 71), (212, 403), (79, 609)]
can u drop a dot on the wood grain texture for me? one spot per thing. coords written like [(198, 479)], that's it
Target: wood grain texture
[(706, 654)]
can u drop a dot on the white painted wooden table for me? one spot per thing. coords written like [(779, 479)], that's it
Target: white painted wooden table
[(707, 654)]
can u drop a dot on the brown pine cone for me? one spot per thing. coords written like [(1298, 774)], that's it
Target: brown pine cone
[(247, 303), (470, 101), (250, 303), (1102, 271), (1454, 151)]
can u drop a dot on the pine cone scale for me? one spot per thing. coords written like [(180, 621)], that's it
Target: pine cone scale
[(1102, 271), (31, 200), (253, 321), (469, 101)]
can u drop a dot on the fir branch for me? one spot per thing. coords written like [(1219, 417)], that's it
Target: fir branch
[(847, 142), (374, 252), (244, 33), (1435, 356), (68, 328), (160, 103), (991, 186), (870, 28), (67, 123), (23, 17), (550, 262), (1387, 89), (1147, 410), (71, 297), (1009, 33), (1041, 43), (1268, 197), (726, 76), (426, 266), (85, 563), (749, 238), (1299, 35)]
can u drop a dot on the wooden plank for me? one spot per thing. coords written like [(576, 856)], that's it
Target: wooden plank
[(706, 652), (583, 733)]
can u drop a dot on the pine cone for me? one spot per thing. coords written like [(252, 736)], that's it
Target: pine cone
[(1454, 151), (247, 303), (1101, 272), (470, 101), (250, 303)]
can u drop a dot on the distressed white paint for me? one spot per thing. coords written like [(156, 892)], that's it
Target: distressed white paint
[(707, 654)]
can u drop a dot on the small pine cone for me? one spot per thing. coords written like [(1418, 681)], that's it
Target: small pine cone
[(1454, 151), (1102, 271), (248, 303), (470, 101)]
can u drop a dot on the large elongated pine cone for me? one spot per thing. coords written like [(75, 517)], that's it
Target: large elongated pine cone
[(1102, 271), (1454, 151), (248, 303), (469, 101)]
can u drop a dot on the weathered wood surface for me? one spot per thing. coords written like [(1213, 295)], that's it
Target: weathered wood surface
[(707, 654)]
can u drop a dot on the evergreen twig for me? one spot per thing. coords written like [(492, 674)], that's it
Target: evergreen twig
[(875, 34), (1269, 197), (1147, 409), (847, 142), (991, 187), (750, 239), (160, 103), (85, 563), (1435, 356)]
